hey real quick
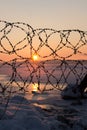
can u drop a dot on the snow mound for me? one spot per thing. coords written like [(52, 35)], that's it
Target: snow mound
[(49, 113), (70, 93)]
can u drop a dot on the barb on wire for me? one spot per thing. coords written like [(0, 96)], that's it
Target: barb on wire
[(62, 56)]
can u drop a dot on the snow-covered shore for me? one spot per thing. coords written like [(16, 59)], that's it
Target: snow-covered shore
[(47, 111)]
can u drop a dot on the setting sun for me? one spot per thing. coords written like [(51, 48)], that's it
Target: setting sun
[(35, 57)]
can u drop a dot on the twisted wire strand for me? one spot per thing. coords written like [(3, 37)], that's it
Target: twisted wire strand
[(56, 50)]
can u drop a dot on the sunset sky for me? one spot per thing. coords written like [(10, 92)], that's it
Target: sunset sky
[(59, 14), (56, 14)]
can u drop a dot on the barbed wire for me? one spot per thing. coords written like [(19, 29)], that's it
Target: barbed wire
[(62, 58)]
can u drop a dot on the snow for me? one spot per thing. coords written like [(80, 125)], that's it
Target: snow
[(46, 111), (72, 93), (69, 93)]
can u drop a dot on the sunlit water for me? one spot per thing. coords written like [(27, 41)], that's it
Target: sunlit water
[(35, 88), (32, 91)]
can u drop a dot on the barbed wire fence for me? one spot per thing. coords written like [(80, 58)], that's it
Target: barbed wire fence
[(62, 56)]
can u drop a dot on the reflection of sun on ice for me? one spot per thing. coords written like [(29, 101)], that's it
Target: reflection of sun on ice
[(35, 88), (35, 57)]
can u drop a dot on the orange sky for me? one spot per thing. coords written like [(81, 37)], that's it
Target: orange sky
[(47, 45), (44, 51), (55, 14)]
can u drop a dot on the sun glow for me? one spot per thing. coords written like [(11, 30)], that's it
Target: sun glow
[(35, 57)]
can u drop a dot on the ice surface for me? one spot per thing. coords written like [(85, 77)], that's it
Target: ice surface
[(44, 112)]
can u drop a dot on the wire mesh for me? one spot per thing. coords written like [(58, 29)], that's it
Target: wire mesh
[(62, 59)]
